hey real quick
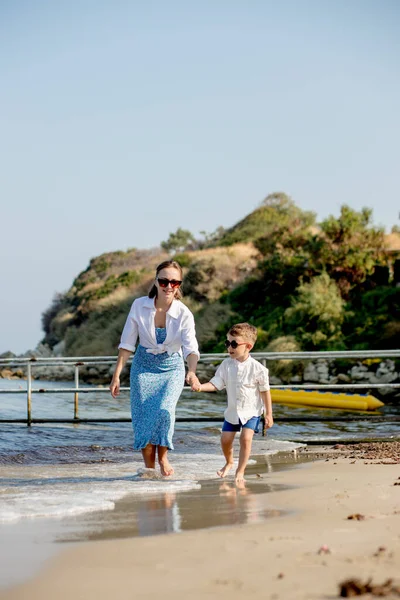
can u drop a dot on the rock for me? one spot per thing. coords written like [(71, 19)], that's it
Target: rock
[(359, 368), (387, 377), (343, 378), (310, 374), (42, 351), (8, 354), (356, 587), (6, 374), (93, 372), (361, 375), (59, 349), (387, 391), (17, 374), (386, 366)]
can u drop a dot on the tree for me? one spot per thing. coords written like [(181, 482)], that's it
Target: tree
[(316, 314), (352, 247), (57, 304), (213, 238), (178, 241), (372, 319), (276, 215)]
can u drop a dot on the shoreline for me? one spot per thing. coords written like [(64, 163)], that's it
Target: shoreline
[(304, 553), (36, 541)]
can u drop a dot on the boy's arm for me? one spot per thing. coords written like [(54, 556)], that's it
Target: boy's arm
[(266, 398), (205, 387), (217, 383)]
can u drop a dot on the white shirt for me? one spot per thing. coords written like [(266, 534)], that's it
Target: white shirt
[(243, 382), (179, 324)]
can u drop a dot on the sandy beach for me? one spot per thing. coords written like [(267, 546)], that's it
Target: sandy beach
[(303, 554)]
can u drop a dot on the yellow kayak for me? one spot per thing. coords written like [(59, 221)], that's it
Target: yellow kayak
[(326, 399)]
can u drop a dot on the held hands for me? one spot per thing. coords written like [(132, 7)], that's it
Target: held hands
[(192, 380), (114, 387), (196, 387)]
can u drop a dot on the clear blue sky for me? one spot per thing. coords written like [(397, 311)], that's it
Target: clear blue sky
[(123, 120)]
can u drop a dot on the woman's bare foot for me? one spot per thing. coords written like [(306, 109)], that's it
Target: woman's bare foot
[(166, 468), (239, 477), (225, 470)]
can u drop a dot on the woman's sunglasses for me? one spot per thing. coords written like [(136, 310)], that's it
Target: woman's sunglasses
[(175, 283), (234, 344)]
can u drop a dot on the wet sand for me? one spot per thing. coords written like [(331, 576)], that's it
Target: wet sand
[(304, 553), (218, 502), (26, 545)]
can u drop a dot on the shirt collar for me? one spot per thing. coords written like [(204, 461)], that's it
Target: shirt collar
[(173, 310), (243, 364)]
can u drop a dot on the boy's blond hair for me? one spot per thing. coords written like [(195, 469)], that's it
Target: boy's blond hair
[(245, 330)]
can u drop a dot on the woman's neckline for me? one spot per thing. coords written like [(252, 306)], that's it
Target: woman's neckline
[(161, 308)]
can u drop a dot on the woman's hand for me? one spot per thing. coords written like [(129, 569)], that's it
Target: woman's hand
[(196, 387), (191, 379), (114, 387), (123, 356)]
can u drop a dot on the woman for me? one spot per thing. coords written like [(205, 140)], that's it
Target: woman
[(164, 326)]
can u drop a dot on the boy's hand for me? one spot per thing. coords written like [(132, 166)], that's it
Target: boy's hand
[(196, 387), (268, 421)]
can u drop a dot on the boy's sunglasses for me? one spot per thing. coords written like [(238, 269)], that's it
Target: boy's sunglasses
[(175, 283), (233, 343)]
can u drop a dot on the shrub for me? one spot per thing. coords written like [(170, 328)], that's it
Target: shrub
[(316, 314), (184, 259), (285, 369), (277, 211)]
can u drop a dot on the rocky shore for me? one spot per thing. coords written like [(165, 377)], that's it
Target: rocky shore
[(383, 453)]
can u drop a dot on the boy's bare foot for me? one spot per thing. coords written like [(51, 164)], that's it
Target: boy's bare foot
[(166, 468), (225, 470), (239, 477)]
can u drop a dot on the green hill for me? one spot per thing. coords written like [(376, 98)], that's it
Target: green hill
[(307, 285)]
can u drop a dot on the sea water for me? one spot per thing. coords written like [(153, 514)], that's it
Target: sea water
[(58, 470)]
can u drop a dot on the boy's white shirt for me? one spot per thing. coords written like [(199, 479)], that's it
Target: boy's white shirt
[(243, 382), (140, 324)]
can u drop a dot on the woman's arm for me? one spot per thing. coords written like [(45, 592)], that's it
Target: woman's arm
[(123, 356), (190, 346), (192, 360)]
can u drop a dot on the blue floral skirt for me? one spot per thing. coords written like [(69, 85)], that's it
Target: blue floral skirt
[(157, 382)]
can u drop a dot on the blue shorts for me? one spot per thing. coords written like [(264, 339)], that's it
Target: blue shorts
[(252, 423)]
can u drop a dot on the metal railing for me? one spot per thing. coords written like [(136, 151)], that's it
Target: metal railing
[(80, 361)]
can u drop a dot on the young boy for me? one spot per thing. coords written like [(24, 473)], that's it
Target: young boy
[(247, 385)]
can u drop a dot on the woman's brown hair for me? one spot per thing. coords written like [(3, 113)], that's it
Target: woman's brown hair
[(166, 265)]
